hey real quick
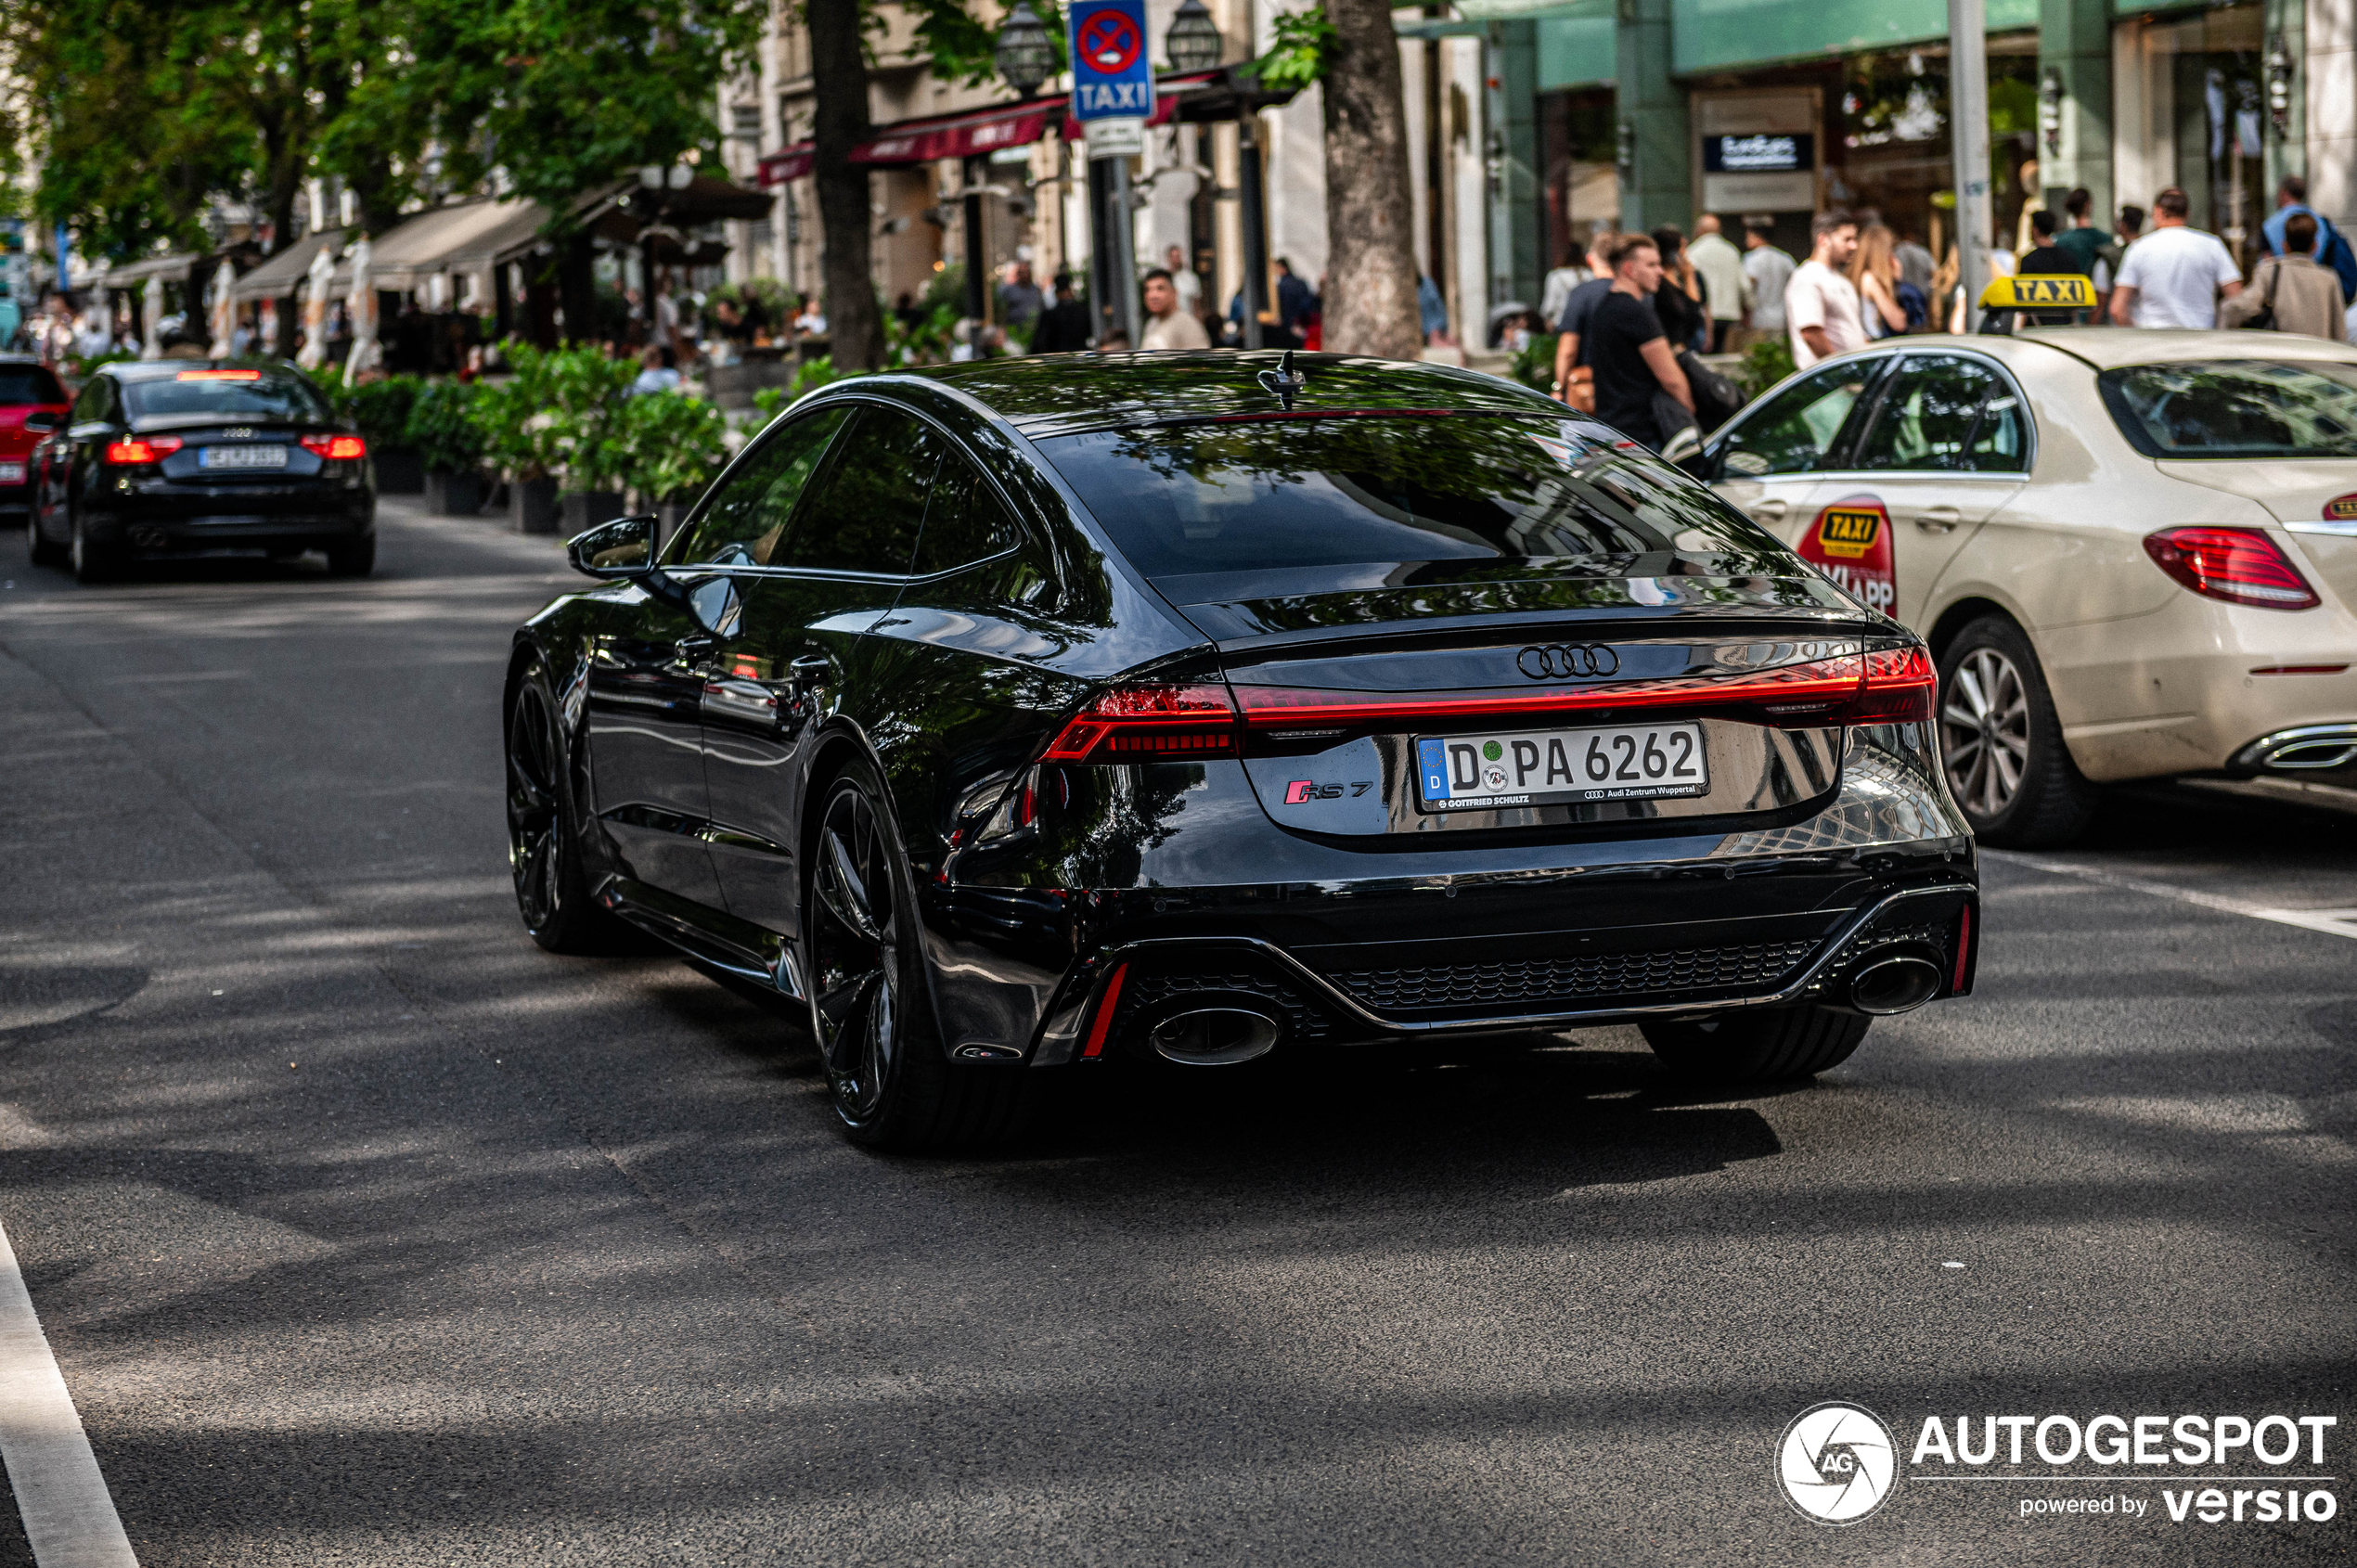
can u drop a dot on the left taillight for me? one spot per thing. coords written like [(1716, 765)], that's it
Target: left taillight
[(1148, 723), (2238, 565), (139, 450), (336, 448)]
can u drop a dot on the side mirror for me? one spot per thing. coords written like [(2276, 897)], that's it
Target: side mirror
[(1683, 448), (41, 419), (625, 547)]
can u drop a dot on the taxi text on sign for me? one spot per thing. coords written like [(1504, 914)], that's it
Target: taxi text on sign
[(1850, 544), (1112, 78)]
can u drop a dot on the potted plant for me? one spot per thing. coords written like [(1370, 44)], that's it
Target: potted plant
[(588, 392), (520, 436), (672, 446), (381, 409), (445, 428)]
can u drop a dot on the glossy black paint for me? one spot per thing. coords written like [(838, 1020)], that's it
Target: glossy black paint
[(701, 752), (177, 508)]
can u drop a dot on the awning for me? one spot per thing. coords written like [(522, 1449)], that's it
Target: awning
[(974, 133), (791, 165), (411, 251), (276, 278), (172, 269)]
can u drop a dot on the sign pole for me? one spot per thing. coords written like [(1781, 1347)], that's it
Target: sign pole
[(1968, 131), (1113, 94)]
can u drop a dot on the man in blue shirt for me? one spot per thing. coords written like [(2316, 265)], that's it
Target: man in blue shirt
[(2291, 197)]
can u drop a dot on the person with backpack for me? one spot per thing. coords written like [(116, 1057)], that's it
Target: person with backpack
[(2331, 247), (2292, 291)]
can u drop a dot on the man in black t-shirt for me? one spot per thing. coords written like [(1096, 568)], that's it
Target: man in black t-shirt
[(1634, 359)]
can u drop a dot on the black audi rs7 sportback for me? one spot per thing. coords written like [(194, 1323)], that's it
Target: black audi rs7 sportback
[(1031, 715), (179, 459)]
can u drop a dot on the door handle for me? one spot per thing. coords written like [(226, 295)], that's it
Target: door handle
[(1938, 520), (1771, 510), (811, 669)]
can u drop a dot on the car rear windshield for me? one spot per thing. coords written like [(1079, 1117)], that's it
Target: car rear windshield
[(2235, 409), (1311, 505), (29, 383), (230, 394)]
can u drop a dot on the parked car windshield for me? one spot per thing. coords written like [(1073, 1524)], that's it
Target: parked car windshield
[(2235, 409), (30, 383), (235, 394), (1310, 505)]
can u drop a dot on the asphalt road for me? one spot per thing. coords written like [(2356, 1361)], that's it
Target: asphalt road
[(367, 1233)]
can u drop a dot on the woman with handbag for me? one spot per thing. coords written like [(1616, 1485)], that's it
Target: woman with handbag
[(2291, 293)]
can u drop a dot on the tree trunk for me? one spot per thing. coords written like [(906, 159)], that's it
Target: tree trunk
[(839, 70), (1370, 261)]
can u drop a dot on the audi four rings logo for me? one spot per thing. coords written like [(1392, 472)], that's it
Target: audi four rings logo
[(1558, 660)]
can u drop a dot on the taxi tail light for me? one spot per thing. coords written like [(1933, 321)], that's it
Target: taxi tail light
[(336, 448), (139, 450), (1148, 723), (2238, 565)]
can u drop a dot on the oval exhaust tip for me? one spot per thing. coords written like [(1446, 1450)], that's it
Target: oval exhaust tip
[(1215, 1036), (1894, 986)]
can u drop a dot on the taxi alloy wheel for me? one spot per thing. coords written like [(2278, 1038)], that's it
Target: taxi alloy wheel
[(1984, 732)]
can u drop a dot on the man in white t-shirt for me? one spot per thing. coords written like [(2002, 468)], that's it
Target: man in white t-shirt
[(2175, 275), (1821, 305)]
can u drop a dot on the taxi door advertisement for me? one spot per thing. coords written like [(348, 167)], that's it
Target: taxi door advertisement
[(1851, 542)]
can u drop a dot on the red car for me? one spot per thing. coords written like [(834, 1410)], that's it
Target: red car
[(27, 388)]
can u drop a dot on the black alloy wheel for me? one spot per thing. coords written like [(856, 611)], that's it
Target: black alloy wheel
[(870, 1010), (2001, 743), (37, 545), (544, 849), (92, 561), (1758, 1043)]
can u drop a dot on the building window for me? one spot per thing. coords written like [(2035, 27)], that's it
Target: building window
[(1582, 189), (745, 121)]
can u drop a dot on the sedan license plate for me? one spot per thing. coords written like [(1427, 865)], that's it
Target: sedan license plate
[(1560, 767), (11, 473), (244, 458)]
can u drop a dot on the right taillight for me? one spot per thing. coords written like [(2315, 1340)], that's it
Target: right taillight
[(2239, 565), (1901, 683), (1148, 723)]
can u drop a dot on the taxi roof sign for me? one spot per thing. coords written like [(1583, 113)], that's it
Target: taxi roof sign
[(2039, 291)]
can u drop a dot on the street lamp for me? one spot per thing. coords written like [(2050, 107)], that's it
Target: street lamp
[(2279, 75), (1193, 42), (1024, 56)]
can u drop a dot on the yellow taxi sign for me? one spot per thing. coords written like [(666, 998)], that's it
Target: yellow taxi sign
[(2039, 291)]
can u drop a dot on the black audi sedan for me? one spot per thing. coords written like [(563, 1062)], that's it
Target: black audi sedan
[(175, 459), (1026, 715)]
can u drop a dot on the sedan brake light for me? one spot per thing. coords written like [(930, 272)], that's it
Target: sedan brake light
[(2238, 565), (335, 448), (1148, 724), (145, 449)]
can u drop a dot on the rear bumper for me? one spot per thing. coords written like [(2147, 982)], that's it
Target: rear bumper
[(172, 532), (1428, 942)]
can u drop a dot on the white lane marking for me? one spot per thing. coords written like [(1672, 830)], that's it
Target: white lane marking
[(2332, 922), (69, 1514)]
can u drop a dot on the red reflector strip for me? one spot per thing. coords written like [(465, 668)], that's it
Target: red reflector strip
[(218, 375), (2298, 669), (1103, 1022), (1963, 947)]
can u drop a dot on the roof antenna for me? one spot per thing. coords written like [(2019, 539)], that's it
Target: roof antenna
[(1284, 381)]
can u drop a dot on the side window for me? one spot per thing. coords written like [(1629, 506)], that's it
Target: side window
[(1795, 432), (864, 513), (93, 404), (744, 519), (965, 521), (1945, 414)]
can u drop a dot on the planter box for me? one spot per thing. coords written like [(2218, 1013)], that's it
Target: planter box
[(399, 471), (532, 505), (586, 509), (454, 495)]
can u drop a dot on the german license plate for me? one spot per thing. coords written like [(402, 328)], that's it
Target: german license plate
[(11, 473), (244, 458), (1560, 767)]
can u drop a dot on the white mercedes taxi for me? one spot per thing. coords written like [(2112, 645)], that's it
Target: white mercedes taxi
[(2134, 552)]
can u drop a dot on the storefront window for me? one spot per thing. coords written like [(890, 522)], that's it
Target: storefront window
[(1890, 145), (1577, 149)]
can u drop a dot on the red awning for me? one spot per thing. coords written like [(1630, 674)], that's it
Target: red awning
[(968, 134), (791, 164)]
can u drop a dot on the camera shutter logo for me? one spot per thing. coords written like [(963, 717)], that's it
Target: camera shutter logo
[(1558, 660), (1838, 1462)]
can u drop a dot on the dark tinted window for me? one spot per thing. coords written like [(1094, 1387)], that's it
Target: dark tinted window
[(94, 402), (1795, 431), (29, 383), (865, 512), (2235, 409), (965, 521), (1360, 502), (746, 518), (1941, 412), (230, 394)]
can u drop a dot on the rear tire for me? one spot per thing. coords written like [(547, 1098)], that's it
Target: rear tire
[(871, 1009), (356, 560), (44, 551), (92, 562), (2001, 743), (1753, 1044)]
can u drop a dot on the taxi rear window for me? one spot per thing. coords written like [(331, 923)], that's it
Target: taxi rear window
[(1331, 503), (2235, 409)]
